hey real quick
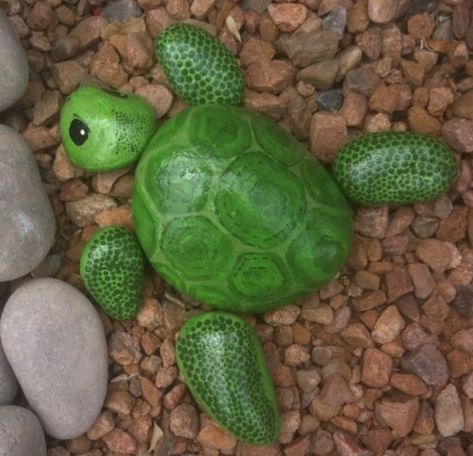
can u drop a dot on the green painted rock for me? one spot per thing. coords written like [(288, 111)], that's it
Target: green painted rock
[(233, 211), (112, 268), (394, 168), (200, 69), (96, 126), (223, 364)]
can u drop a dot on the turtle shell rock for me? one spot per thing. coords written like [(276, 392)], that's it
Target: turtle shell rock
[(233, 211)]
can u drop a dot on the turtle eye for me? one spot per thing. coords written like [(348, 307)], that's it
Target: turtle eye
[(79, 132)]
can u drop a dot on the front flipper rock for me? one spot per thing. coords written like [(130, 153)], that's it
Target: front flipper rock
[(54, 340)]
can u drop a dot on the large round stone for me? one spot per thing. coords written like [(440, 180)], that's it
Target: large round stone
[(20, 433), (26, 218), (8, 383), (54, 340), (14, 70)]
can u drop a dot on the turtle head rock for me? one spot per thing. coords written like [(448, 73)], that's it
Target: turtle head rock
[(103, 129)]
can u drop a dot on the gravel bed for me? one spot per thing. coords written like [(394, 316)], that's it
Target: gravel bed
[(380, 360)]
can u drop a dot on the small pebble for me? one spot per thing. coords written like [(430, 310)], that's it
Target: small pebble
[(330, 100), (336, 20), (448, 412), (429, 364), (400, 415), (122, 10)]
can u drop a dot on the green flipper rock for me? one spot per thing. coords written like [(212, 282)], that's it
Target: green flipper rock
[(112, 268), (233, 211), (223, 364), (103, 130), (200, 69), (394, 168)]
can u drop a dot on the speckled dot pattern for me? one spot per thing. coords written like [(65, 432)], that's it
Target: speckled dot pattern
[(200, 69), (112, 268), (126, 122), (394, 168), (223, 364)]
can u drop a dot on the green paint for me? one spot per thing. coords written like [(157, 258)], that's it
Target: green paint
[(112, 268), (233, 211), (104, 130), (223, 364), (394, 168), (200, 69)]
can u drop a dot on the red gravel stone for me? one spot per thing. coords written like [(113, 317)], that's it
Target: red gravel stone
[(448, 412), (438, 255), (376, 368), (216, 438), (459, 134), (409, 384), (328, 133), (288, 16), (421, 26), (400, 415), (120, 441), (269, 76), (388, 326), (429, 364)]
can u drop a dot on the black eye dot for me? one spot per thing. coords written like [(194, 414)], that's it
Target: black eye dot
[(79, 132), (115, 93)]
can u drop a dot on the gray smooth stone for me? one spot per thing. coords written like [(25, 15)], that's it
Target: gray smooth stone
[(27, 221), (20, 432), (14, 69), (3, 294), (54, 340), (8, 383)]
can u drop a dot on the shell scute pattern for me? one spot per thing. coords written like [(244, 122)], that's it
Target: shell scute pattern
[(199, 67), (319, 184), (182, 181), (270, 200), (262, 242), (394, 168), (223, 364), (259, 275), (276, 142), (196, 256), (112, 267), (224, 135)]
